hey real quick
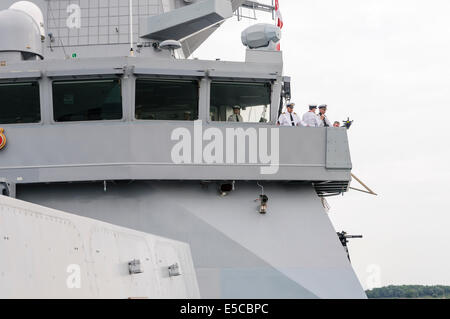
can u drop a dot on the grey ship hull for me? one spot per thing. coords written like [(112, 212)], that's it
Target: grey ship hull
[(292, 252)]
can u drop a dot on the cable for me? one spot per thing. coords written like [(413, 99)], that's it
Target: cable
[(62, 44)]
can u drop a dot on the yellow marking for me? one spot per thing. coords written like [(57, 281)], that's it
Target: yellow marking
[(3, 139)]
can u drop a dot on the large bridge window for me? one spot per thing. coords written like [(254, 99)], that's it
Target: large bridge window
[(87, 100), (240, 101), (175, 100), (20, 103)]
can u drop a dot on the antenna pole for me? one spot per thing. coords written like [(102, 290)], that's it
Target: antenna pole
[(131, 28)]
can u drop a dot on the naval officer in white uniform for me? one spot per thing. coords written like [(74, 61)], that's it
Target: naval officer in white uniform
[(310, 118), (236, 116), (323, 119), (289, 118)]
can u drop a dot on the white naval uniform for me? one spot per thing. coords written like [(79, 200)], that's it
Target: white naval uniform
[(311, 119), (285, 119), (326, 120), (235, 118)]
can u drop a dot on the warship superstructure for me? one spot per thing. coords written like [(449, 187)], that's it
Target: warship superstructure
[(104, 115)]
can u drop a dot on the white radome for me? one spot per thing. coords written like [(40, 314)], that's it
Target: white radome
[(33, 10)]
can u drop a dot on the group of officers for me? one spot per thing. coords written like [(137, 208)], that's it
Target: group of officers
[(290, 118), (309, 119)]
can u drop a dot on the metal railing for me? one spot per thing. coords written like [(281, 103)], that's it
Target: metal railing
[(255, 6)]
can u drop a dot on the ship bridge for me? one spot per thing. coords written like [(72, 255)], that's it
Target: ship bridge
[(106, 93), (124, 119)]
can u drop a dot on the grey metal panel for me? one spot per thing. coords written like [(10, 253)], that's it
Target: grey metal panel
[(236, 4), (193, 42), (45, 92), (44, 242), (142, 150), (84, 72), (156, 71), (102, 22), (264, 56), (275, 100), (185, 21), (20, 75), (204, 99), (151, 171), (116, 65), (239, 75), (338, 152)]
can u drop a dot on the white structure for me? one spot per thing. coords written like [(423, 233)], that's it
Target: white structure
[(261, 36), (32, 10), (20, 36), (46, 253)]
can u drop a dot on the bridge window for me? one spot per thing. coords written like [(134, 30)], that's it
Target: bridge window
[(20, 103), (175, 100), (87, 100), (253, 100)]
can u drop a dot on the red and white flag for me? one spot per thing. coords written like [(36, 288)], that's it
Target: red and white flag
[(279, 19)]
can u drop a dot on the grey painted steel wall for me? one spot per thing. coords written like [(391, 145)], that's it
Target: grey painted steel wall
[(338, 151), (181, 23), (52, 254), (86, 152), (292, 252)]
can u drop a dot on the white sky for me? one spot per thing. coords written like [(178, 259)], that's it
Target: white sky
[(386, 64)]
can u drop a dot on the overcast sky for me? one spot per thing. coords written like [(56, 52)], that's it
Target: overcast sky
[(386, 64)]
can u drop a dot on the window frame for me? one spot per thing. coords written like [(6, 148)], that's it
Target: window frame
[(26, 80), (241, 80), (96, 77), (155, 77)]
